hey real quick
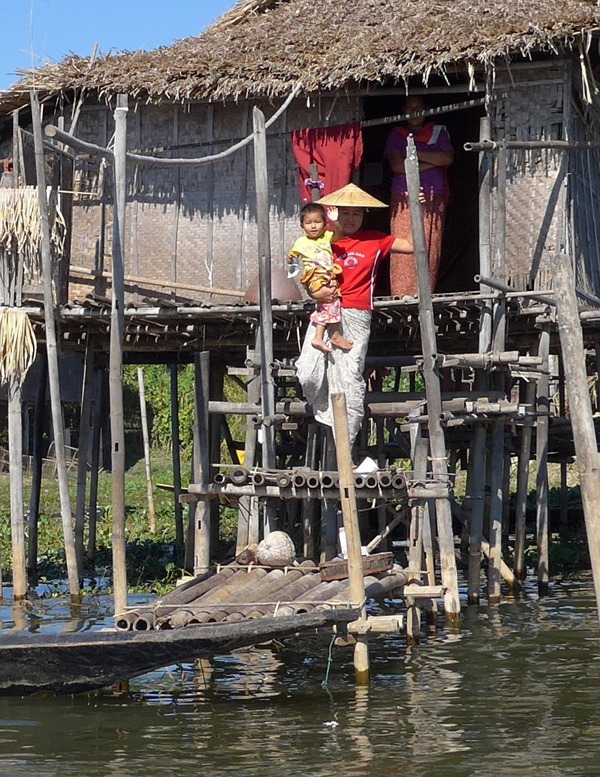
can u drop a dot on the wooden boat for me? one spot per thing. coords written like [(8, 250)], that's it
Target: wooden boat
[(84, 661)]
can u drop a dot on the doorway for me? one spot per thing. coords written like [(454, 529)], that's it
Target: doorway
[(460, 247)]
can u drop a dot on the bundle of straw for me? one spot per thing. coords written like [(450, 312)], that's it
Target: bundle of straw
[(18, 346), (20, 227)]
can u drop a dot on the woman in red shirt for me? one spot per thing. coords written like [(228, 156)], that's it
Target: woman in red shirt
[(358, 252)]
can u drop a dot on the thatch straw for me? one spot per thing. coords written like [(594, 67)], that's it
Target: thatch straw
[(18, 346), (261, 47), (20, 227)]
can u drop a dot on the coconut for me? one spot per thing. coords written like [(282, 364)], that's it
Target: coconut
[(276, 550)]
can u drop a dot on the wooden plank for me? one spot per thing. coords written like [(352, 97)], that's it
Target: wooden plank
[(338, 569)]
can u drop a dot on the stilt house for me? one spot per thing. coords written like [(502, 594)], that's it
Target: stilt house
[(516, 86), (531, 68)]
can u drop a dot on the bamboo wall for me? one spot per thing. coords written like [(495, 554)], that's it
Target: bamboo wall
[(531, 106), (195, 226)]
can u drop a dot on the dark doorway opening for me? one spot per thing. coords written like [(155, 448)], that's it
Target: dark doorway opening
[(460, 249)]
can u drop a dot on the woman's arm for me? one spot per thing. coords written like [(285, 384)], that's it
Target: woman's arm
[(403, 245)]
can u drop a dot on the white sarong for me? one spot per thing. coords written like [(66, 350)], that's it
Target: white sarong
[(321, 375)]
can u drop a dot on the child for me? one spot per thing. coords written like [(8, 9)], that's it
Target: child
[(319, 271), (359, 251)]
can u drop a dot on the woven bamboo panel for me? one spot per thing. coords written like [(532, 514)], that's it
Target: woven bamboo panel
[(531, 110)]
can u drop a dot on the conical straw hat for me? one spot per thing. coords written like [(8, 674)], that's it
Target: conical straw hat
[(351, 196)]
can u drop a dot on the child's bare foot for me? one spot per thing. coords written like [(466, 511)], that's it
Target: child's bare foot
[(340, 341), (320, 345)]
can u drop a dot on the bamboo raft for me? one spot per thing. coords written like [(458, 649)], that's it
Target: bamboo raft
[(237, 606), (239, 592)]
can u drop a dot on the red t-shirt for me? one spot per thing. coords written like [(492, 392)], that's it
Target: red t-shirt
[(359, 256)]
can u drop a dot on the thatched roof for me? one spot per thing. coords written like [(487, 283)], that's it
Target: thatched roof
[(264, 47)]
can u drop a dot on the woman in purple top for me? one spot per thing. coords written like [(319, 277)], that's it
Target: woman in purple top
[(435, 154)]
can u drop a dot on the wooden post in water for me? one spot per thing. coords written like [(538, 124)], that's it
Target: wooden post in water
[(95, 464), (584, 436), (350, 516), (52, 351), (176, 459), (36, 466), (15, 456), (478, 445), (523, 485), (266, 312), (541, 455), (115, 378), (82, 456), (146, 441), (437, 442), (201, 461)]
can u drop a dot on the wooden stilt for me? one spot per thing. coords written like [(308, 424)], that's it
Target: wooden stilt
[(216, 376), (541, 455), (310, 506), (329, 507), (202, 516), (147, 460), (432, 384), (562, 402), (82, 456), (248, 529), (176, 458), (52, 350), (495, 525), (36, 467), (15, 457), (586, 446), (419, 514), (350, 516), (523, 485), (115, 377), (95, 464), (266, 313)]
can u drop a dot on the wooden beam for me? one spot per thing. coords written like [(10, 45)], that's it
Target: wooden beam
[(117, 322), (52, 350)]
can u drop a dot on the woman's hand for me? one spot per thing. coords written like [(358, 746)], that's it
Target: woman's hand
[(324, 294)]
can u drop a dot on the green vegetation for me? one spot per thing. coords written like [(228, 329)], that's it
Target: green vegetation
[(154, 561)]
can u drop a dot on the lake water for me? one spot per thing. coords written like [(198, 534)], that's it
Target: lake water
[(516, 692)]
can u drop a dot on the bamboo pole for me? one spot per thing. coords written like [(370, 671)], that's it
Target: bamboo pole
[(586, 447), (95, 464), (216, 388), (82, 456), (343, 449), (477, 456), (432, 385), (248, 505), (52, 350), (309, 506), (541, 454), (117, 430), (15, 457), (495, 519), (147, 460), (523, 487), (266, 313), (36, 467), (202, 515), (176, 458), (84, 272)]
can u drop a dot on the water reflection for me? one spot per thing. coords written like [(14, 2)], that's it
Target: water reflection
[(515, 692)]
